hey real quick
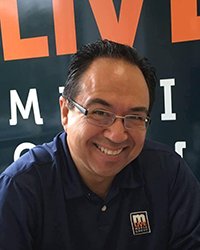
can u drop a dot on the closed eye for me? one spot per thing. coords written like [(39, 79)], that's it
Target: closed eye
[(136, 117), (100, 113)]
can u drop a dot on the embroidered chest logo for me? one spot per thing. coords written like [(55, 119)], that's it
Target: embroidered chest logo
[(140, 222)]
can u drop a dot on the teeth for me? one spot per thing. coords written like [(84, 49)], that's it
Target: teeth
[(108, 151)]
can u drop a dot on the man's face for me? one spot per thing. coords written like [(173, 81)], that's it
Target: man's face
[(116, 86)]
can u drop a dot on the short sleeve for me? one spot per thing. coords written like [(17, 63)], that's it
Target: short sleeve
[(17, 215), (184, 210)]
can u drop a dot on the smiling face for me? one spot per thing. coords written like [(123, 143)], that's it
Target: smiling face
[(116, 86)]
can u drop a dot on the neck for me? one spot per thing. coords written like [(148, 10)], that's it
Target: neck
[(99, 187), (97, 184)]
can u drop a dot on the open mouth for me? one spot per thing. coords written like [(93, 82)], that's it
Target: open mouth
[(109, 151)]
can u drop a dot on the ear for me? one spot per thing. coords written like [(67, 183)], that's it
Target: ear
[(63, 111)]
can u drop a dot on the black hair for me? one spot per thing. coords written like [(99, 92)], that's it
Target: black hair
[(83, 58)]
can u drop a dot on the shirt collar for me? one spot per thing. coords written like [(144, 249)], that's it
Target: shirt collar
[(131, 176), (73, 186)]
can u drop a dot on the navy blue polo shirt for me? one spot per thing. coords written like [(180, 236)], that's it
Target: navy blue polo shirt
[(153, 203)]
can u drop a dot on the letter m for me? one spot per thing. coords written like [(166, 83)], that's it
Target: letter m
[(32, 101)]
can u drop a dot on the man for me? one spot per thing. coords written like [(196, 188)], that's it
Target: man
[(101, 184)]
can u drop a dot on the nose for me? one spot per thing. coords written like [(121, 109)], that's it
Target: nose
[(116, 132)]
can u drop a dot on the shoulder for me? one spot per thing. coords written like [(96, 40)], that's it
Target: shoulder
[(157, 152), (38, 158), (161, 163), (158, 147)]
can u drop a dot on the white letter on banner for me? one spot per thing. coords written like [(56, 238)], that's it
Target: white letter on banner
[(167, 84), (21, 147), (60, 89), (31, 101), (179, 146)]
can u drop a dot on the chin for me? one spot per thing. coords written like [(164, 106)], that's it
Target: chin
[(109, 172)]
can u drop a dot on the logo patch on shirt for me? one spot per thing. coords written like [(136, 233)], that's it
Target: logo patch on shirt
[(140, 222)]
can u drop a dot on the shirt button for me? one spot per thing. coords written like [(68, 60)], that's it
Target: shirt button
[(104, 208)]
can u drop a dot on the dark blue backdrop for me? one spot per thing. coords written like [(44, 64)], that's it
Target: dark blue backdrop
[(177, 64)]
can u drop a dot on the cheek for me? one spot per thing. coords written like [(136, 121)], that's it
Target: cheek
[(72, 119), (79, 130), (138, 134), (80, 141), (142, 138), (138, 138), (75, 124)]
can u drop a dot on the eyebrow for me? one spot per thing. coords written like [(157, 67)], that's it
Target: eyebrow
[(139, 109), (105, 103), (98, 101)]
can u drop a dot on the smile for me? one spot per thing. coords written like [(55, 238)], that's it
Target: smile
[(108, 151)]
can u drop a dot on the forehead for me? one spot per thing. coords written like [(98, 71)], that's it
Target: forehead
[(111, 79)]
